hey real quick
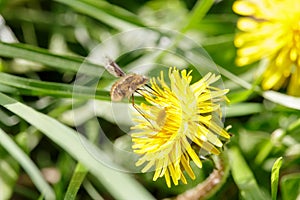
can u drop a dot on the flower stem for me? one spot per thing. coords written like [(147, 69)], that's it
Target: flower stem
[(213, 182)]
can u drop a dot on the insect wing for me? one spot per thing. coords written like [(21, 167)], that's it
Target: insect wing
[(113, 68)]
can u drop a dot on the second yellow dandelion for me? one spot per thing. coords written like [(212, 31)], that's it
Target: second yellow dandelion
[(271, 30)]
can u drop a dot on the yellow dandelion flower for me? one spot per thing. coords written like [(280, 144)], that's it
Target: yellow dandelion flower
[(175, 118), (271, 29)]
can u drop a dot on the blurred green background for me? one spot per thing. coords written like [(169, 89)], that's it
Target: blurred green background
[(42, 47)]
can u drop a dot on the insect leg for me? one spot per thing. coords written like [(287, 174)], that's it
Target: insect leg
[(137, 109)]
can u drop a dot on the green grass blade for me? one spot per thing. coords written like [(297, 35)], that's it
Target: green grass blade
[(263, 152), (9, 174), (42, 88), (275, 177), (120, 185), (109, 14), (294, 127), (198, 12), (235, 78), (276, 97), (290, 186), (39, 55), (242, 109), (92, 191), (76, 181), (283, 99), (27, 165), (238, 96), (244, 177)]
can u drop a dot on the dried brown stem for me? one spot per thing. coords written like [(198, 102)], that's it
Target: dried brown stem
[(204, 189)]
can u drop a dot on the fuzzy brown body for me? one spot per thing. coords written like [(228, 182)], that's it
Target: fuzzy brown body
[(126, 86)]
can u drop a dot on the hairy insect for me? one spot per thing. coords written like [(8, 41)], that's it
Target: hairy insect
[(127, 84)]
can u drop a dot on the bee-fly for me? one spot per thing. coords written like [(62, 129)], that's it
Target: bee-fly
[(127, 84)]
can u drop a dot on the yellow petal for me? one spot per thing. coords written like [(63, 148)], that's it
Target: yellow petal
[(244, 8)]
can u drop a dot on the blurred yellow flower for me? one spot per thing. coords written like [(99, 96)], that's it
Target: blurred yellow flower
[(271, 29), (175, 118)]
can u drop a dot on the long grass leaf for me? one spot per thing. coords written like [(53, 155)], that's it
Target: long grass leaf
[(243, 176), (242, 109), (198, 12), (120, 185), (109, 14), (276, 97), (32, 170), (43, 56), (283, 99), (76, 181), (290, 186), (92, 191), (38, 88)]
